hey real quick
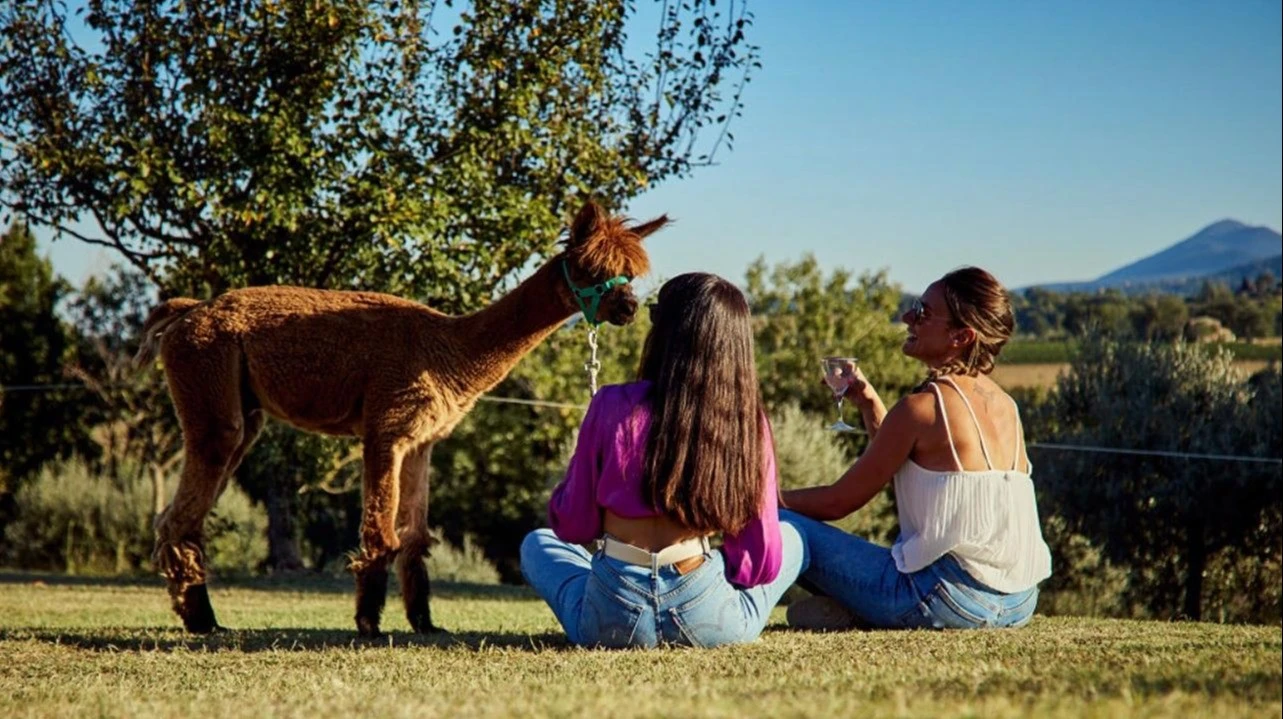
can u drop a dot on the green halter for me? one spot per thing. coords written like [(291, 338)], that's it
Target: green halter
[(592, 294)]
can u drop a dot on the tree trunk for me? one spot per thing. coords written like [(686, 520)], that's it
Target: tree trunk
[(282, 531), (157, 489), (1196, 564)]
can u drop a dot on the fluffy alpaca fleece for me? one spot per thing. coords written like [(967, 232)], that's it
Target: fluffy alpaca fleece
[(392, 372)]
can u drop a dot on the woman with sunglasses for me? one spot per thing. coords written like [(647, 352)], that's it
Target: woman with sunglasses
[(970, 551), (662, 465)]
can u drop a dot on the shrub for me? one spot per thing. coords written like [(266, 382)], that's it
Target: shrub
[(807, 454), (69, 518), (1083, 581), (1191, 532), (72, 518), (463, 563), (236, 533)]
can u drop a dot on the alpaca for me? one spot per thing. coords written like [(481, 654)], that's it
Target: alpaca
[(392, 372)]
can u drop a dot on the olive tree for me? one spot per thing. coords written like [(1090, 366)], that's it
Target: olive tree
[(428, 149)]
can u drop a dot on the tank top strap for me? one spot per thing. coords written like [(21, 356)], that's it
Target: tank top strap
[(944, 417), (975, 420), (1020, 439)]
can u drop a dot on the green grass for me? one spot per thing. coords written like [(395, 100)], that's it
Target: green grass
[(1059, 351), (73, 647)]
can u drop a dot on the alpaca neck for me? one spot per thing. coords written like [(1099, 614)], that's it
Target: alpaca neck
[(495, 338)]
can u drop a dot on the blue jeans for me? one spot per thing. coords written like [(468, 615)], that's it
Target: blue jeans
[(602, 601), (862, 576)]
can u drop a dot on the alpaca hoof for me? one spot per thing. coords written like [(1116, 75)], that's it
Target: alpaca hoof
[(425, 626), (196, 611), (421, 620), (368, 628)]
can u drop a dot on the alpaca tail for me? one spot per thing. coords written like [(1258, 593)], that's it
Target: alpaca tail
[(160, 318)]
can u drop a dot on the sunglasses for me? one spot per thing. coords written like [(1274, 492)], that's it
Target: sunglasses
[(917, 312)]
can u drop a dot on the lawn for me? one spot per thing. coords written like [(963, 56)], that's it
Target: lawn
[(76, 647)]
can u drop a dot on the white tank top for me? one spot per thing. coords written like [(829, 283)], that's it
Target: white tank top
[(988, 520)]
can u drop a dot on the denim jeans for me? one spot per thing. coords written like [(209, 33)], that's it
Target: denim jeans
[(602, 601), (863, 577)]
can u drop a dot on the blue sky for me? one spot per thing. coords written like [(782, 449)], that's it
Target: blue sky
[(1043, 141)]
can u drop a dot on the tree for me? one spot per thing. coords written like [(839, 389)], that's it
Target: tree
[(801, 316), (1252, 318), (1214, 299), (1165, 518), (1041, 313), (41, 420), (1159, 317), (1266, 283), (355, 143), (131, 412), (1105, 313), (396, 145)]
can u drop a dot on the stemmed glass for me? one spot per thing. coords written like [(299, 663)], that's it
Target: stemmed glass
[(839, 372)]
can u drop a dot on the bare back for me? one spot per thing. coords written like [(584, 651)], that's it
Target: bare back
[(995, 415), (653, 533)]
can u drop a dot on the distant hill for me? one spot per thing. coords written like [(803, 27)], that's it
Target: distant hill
[(1217, 247), (1225, 251), (1231, 278)]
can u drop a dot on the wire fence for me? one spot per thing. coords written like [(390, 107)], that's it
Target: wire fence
[(8, 389)]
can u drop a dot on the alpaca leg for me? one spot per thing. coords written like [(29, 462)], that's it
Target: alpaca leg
[(379, 542), (254, 421), (412, 527), (213, 427)]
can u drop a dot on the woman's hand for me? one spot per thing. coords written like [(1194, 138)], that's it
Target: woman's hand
[(859, 390), (861, 393)]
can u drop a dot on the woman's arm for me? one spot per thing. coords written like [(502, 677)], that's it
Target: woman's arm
[(891, 446), (872, 410), (573, 513), (753, 555)]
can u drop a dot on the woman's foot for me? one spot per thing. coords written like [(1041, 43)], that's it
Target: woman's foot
[(820, 614)]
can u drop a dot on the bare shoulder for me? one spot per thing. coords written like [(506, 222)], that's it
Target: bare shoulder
[(917, 408)]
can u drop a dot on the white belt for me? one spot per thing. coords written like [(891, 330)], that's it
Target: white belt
[(671, 554)]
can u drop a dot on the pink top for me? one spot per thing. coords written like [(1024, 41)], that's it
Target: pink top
[(606, 473)]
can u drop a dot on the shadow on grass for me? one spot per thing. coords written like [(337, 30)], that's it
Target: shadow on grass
[(277, 640), (13, 577), (296, 582)]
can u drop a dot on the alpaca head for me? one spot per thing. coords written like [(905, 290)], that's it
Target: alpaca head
[(601, 248)]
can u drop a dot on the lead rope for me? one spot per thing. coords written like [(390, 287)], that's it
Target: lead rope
[(593, 366)]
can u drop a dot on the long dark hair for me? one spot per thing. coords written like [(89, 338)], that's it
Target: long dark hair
[(704, 459)]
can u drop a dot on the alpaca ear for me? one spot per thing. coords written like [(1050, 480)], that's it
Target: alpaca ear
[(646, 229), (589, 220)]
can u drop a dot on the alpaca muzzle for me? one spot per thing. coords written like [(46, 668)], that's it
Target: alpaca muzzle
[(620, 306), (597, 300)]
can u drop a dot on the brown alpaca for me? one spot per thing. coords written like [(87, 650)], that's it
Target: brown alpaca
[(392, 372)]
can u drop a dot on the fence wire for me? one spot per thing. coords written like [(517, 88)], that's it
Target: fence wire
[(569, 405)]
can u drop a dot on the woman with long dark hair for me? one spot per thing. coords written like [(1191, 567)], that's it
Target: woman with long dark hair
[(970, 552), (662, 466)]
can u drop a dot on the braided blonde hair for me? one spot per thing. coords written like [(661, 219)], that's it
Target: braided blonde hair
[(976, 300)]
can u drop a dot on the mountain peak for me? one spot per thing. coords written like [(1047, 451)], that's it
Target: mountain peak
[(1221, 227), (1219, 246)]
